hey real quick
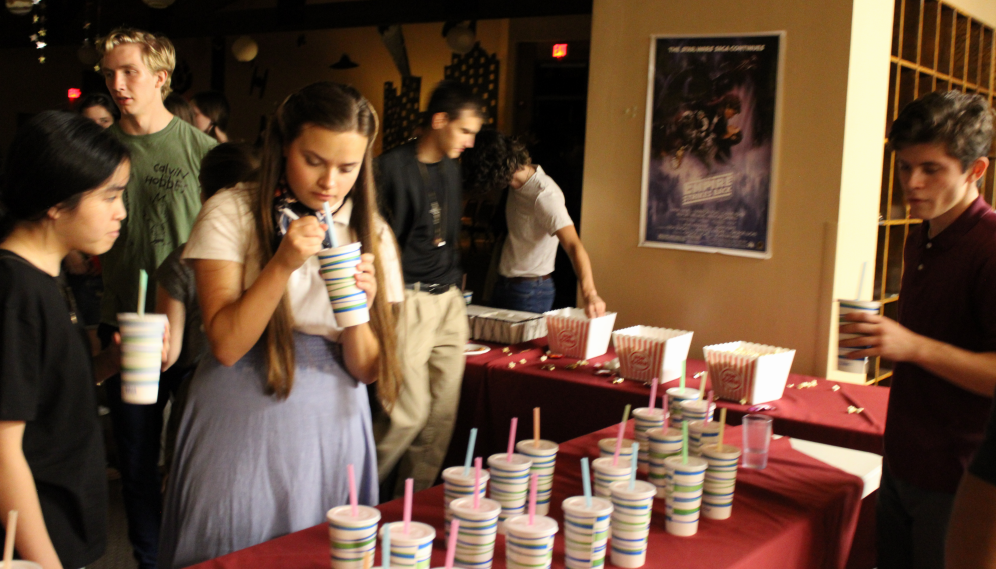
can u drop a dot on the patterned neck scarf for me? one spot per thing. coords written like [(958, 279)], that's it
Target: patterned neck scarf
[(286, 209)]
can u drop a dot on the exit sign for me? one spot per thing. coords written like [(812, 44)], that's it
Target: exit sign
[(560, 50)]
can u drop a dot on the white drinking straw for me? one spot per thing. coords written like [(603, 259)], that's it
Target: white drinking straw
[(328, 220)]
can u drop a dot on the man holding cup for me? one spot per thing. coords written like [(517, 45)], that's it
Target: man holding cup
[(944, 343)]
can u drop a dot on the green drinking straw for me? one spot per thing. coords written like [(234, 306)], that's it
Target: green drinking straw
[(632, 462), (682, 384), (586, 481), (684, 442), (385, 554), (143, 285), (470, 452)]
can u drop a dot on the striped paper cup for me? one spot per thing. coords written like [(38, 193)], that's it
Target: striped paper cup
[(509, 485), (410, 550), (352, 538), (605, 474), (529, 546), (141, 356), (586, 532), (478, 532), (338, 270), (631, 513), (675, 397), (720, 480), (544, 459), (684, 494)]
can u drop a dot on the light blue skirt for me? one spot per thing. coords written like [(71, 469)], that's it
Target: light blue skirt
[(250, 467)]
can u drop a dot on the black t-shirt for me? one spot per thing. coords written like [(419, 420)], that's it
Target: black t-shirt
[(46, 380)]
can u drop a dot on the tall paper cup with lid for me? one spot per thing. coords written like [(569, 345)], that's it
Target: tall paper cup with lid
[(529, 546), (631, 512), (675, 396), (607, 448), (141, 356), (544, 457), (338, 270), (352, 537), (645, 419), (663, 444), (847, 307), (456, 486), (697, 410), (700, 434), (478, 532), (509, 484), (720, 480), (605, 473), (586, 531), (410, 550), (684, 494)]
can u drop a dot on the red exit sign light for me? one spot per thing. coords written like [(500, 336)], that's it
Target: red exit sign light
[(560, 50)]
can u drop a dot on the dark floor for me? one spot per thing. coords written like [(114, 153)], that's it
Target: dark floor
[(118, 555)]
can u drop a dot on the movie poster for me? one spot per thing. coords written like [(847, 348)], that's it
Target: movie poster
[(710, 143)]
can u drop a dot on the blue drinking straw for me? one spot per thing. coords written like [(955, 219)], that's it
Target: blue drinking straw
[(586, 481), (328, 220), (385, 553), (470, 452), (632, 470)]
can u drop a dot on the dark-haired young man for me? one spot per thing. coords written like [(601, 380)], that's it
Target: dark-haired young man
[(944, 343), (420, 188)]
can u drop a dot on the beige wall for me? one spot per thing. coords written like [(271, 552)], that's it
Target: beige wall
[(982, 10), (782, 301)]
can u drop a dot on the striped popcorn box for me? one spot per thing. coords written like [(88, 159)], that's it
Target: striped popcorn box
[(605, 474), (410, 550), (645, 419), (631, 513), (456, 486), (646, 352), (663, 443), (571, 333), (586, 532), (675, 397), (544, 457), (701, 433), (352, 538), (720, 480), (748, 373), (478, 532), (684, 494), (338, 270), (509, 485), (141, 356), (529, 546)]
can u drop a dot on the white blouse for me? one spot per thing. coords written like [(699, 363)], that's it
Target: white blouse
[(225, 230)]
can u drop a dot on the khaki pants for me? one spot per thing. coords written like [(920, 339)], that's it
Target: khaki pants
[(433, 332)]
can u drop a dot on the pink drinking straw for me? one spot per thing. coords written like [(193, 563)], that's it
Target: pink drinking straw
[(653, 394), (709, 406), (477, 483), (511, 439), (533, 481), (451, 545), (619, 437), (353, 503), (407, 516)]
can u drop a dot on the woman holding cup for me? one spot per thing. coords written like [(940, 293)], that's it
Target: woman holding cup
[(62, 191), (279, 408)]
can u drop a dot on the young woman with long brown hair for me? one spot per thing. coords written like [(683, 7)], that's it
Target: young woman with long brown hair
[(279, 409)]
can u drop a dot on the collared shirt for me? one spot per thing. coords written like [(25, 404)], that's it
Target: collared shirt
[(535, 212), (948, 293)]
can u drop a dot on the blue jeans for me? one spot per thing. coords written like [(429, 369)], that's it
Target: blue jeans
[(529, 296)]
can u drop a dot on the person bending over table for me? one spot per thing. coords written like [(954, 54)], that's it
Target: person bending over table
[(279, 408), (535, 220), (944, 343)]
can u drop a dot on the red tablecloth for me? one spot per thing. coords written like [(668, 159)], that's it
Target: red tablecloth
[(798, 512)]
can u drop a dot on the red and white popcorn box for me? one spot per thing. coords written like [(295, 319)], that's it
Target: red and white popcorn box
[(646, 352), (748, 373), (571, 333), (508, 326)]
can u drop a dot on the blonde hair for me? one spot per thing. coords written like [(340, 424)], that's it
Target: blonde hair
[(158, 52)]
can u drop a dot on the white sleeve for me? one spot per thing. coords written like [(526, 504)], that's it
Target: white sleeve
[(390, 263), (551, 211), (224, 229)]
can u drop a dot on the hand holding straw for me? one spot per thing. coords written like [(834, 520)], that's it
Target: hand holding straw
[(385, 545), (619, 437), (533, 481), (684, 442), (681, 384), (586, 481), (328, 221), (8, 546), (143, 286), (632, 470), (511, 439), (653, 394), (722, 426), (407, 515), (452, 543), (536, 427), (470, 451), (708, 407), (354, 508), (477, 483)]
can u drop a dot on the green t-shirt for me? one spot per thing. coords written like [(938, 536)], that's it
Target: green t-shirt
[(162, 199)]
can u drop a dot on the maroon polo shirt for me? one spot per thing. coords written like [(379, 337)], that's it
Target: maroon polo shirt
[(949, 294)]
